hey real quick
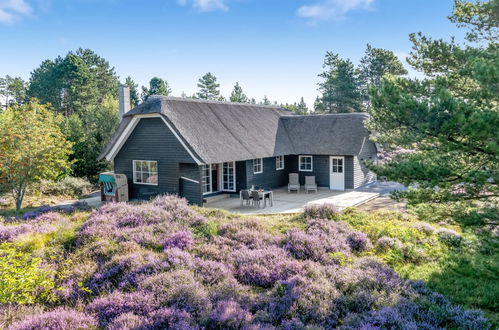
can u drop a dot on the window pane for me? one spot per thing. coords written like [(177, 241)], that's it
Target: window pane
[(153, 167)]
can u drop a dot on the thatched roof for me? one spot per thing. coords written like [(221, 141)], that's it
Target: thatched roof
[(223, 131)]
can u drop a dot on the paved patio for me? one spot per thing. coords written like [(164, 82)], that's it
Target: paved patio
[(293, 202)]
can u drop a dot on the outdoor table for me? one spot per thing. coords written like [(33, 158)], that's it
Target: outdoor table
[(262, 194)]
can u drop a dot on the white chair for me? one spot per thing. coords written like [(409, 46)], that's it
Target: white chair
[(294, 182), (310, 184)]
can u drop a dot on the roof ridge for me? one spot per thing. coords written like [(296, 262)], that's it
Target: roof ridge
[(186, 99), (328, 115)]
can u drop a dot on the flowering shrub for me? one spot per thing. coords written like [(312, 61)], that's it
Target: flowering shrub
[(320, 211), (425, 228), (141, 267), (304, 246), (359, 241), (449, 237), (127, 321), (107, 308), (230, 315), (264, 267), (384, 243), (182, 240), (11, 232), (58, 319)]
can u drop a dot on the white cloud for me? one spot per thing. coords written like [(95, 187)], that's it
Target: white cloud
[(332, 9), (205, 5), (10, 10)]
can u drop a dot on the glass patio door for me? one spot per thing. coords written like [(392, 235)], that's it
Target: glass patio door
[(229, 176)]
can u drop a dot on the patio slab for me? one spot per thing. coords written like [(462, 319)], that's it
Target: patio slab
[(285, 202)]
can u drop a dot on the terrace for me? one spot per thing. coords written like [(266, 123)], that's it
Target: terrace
[(293, 202)]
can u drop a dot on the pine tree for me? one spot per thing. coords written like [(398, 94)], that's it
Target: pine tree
[(237, 94), (157, 86), (439, 134), (302, 107), (373, 66), (208, 87), (340, 88), (265, 101), (134, 93)]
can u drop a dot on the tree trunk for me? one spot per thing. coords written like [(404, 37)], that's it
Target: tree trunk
[(19, 196), (19, 201)]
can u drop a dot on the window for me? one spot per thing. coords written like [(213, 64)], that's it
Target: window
[(337, 165), (279, 163), (228, 176), (145, 172), (305, 163), (257, 165), (206, 178)]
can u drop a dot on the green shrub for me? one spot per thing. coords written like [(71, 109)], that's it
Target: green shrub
[(23, 279), (206, 229), (69, 186)]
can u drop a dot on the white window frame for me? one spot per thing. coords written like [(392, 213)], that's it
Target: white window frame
[(203, 176), (233, 176), (149, 172), (279, 163), (261, 166), (311, 163)]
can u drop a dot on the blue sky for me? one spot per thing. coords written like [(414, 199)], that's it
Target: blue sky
[(271, 47)]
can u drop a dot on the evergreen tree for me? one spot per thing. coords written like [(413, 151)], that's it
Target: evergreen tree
[(238, 95), (134, 93), (80, 85), (13, 90), (157, 86), (373, 66), (208, 87), (74, 82), (318, 106), (265, 101), (298, 108), (340, 88), (302, 107), (440, 132)]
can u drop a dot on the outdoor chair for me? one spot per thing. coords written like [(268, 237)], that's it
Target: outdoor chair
[(256, 198), (294, 182), (310, 184), (245, 197)]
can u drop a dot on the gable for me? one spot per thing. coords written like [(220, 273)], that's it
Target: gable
[(150, 132)]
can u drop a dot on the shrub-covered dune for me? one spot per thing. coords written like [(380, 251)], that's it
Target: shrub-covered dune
[(163, 265)]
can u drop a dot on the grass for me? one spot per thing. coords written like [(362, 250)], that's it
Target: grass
[(30, 203)]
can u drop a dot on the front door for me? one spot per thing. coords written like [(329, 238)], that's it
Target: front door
[(337, 173)]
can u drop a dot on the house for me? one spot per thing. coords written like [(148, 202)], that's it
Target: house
[(199, 148)]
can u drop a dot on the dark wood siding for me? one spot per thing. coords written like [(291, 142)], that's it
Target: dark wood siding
[(152, 140), (241, 182), (320, 166), (188, 189), (349, 172), (271, 178)]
